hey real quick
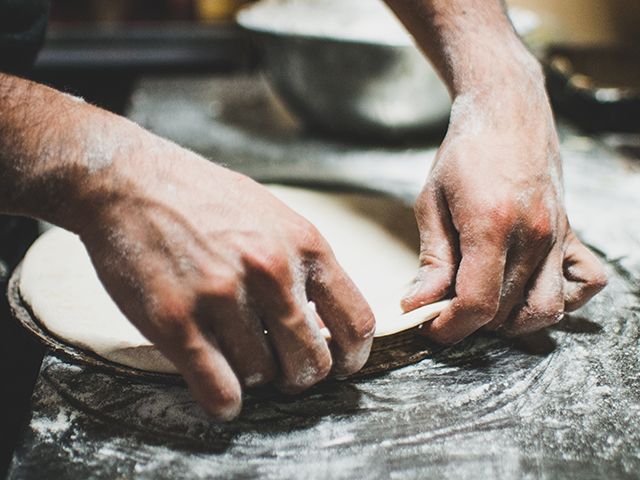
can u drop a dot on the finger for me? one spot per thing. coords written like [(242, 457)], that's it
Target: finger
[(513, 289), (583, 272), (240, 334), (438, 251), (210, 378), (276, 289), (477, 294), (170, 325), (545, 299), (344, 311), (522, 264), (303, 352), (293, 331)]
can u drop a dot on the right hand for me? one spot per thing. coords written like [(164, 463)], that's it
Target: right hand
[(204, 261)]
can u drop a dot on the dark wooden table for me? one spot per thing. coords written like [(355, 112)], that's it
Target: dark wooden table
[(564, 403)]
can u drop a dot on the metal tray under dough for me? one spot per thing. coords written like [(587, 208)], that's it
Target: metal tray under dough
[(387, 353)]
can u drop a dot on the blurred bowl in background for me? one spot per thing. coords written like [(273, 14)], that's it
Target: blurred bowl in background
[(338, 79), (348, 67)]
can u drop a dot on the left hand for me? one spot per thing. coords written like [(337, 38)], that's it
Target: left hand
[(494, 230)]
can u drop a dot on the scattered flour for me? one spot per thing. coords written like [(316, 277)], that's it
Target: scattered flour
[(46, 427)]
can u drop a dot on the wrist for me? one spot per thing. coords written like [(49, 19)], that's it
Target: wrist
[(503, 63), (54, 151), (146, 174), (509, 97), (113, 171)]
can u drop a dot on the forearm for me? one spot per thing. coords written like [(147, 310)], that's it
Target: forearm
[(472, 44), (55, 152), (494, 231)]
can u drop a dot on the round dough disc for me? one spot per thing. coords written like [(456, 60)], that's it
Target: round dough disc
[(373, 237)]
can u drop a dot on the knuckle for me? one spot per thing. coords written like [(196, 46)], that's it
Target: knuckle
[(220, 285), (172, 316), (267, 261), (495, 222), (313, 243), (291, 317), (541, 231), (506, 217), (501, 211)]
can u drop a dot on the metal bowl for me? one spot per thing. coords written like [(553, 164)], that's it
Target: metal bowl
[(346, 85), (349, 67)]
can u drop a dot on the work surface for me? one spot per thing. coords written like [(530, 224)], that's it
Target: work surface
[(562, 403)]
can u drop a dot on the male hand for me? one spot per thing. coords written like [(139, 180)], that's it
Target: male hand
[(494, 231), (204, 261)]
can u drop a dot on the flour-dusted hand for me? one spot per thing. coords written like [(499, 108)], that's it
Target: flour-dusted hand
[(493, 225), (494, 231), (204, 261), (208, 264)]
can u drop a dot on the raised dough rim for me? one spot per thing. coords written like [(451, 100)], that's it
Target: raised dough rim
[(23, 314)]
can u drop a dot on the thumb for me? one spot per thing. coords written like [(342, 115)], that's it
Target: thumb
[(438, 251)]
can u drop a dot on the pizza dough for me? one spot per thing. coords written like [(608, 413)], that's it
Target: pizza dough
[(374, 239)]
